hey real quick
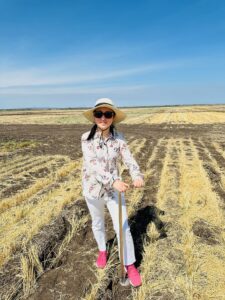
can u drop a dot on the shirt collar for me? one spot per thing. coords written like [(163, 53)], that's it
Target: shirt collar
[(98, 135)]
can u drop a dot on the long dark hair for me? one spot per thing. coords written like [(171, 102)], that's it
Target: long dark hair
[(94, 128)]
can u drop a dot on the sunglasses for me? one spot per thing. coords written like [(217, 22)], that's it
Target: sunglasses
[(108, 114)]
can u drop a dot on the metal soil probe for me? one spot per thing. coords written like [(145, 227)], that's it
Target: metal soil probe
[(123, 280)]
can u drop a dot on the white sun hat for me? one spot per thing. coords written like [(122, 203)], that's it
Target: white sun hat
[(105, 102)]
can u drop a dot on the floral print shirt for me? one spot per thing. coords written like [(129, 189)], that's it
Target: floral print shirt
[(100, 162)]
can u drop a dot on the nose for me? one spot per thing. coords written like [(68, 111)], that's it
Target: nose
[(103, 117)]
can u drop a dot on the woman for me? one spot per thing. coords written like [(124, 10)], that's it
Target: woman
[(102, 149)]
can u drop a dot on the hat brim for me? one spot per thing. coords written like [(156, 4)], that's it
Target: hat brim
[(119, 117)]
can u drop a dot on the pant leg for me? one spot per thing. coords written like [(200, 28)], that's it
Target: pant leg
[(96, 209), (112, 203)]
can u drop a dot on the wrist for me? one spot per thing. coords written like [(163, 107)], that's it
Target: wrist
[(114, 179)]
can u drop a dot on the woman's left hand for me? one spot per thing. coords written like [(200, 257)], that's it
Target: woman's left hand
[(138, 182)]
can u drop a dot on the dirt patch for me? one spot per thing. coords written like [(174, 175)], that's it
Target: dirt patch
[(207, 233), (67, 137)]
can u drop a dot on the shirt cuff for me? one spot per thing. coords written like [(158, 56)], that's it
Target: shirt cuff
[(139, 176)]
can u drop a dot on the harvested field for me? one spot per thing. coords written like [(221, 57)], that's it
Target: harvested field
[(177, 220), (205, 114)]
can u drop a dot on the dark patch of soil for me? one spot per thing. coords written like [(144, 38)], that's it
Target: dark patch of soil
[(67, 137), (207, 233), (163, 295), (15, 187)]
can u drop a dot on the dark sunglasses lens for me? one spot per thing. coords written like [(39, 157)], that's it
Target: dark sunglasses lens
[(98, 114), (108, 114)]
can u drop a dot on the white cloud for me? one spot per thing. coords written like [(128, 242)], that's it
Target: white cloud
[(53, 76), (62, 90)]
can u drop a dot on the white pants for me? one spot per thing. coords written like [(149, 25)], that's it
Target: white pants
[(96, 207)]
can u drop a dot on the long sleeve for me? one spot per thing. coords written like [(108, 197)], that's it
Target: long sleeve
[(97, 166), (100, 162), (129, 160)]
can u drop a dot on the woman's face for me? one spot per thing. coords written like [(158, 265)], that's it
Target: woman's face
[(103, 122)]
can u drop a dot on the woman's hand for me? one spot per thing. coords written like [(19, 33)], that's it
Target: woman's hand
[(120, 186), (138, 182)]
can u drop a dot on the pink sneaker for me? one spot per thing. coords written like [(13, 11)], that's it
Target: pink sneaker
[(133, 275), (102, 259)]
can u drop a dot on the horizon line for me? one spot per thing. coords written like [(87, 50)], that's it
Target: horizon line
[(89, 107)]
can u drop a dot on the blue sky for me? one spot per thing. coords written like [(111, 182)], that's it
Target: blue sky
[(69, 53)]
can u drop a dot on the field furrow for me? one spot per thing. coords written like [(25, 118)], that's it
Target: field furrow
[(16, 165), (214, 167), (17, 223), (14, 208), (160, 260), (10, 160), (219, 148), (18, 181), (40, 185), (179, 267), (213, 153), (203, 222), (135, 196)]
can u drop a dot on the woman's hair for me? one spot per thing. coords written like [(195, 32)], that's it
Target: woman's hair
[(94, 128)]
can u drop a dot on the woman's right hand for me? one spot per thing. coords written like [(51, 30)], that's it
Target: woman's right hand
[(120, 186)]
